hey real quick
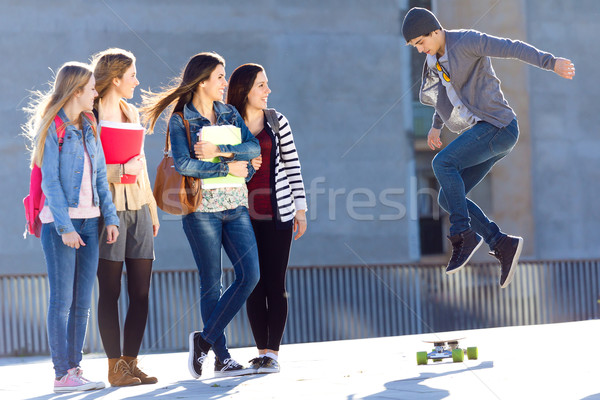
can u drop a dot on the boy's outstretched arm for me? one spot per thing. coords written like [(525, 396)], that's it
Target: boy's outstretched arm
[(564, 68)]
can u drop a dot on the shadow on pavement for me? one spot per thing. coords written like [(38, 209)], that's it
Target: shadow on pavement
[(415, 387), (207, 388)]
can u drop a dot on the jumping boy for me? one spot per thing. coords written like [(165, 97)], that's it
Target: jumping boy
[(460, 83)]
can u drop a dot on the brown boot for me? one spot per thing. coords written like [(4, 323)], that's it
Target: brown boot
[(135, 371), (119, 373)]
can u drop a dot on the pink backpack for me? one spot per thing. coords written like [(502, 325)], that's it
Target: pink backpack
[(34, 201)]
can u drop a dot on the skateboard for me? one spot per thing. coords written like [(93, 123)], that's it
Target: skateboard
[(446, 349)]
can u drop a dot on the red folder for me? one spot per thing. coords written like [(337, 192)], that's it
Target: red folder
[(121, 141)]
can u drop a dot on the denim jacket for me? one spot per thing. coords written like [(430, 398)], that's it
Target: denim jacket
[(187, 164), (62, 174)]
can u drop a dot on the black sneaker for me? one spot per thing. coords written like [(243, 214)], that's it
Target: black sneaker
[(507, 251), (269, 366), (230, 367), (464, 245), (196, 355), (255, 364)]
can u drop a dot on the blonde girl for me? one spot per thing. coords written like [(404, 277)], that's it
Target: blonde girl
[(77, 193)]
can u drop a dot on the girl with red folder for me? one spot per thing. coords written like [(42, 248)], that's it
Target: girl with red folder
[(116, 80)]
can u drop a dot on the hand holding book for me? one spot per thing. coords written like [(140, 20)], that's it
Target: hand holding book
[(238, 168), (206, 150), (134, 166), (122, 142)]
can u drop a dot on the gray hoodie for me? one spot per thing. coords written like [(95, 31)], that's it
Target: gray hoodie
[(474, 79)]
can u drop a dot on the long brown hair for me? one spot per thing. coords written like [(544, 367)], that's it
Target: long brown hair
[(108, 65), (240, 84), (197, 70), (70, 79)]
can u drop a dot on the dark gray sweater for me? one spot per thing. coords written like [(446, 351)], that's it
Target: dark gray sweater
[(474, 79)]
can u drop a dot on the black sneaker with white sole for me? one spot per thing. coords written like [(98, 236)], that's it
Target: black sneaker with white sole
[(507, 251), (230, 367), (268, 366), (464, 245), (196, 355)]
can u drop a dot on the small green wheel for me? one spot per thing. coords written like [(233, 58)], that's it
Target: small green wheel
[(472, 353), (422, 358), (458, 355), (437, 360)]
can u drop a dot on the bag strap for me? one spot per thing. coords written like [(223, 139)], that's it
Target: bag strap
[(61, 127), (93, 122), (273, 121), (186, 123), (60, 131)]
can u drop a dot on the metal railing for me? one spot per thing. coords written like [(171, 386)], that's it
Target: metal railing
[(333, 303)]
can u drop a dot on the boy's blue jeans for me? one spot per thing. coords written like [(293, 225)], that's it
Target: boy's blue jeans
[(206, 233), (461, 165)]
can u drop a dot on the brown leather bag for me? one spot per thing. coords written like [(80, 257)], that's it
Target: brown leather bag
[(176, 194)]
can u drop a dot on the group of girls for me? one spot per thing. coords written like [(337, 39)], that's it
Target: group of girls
[(93, 223)]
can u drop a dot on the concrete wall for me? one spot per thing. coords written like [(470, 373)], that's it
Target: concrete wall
[(547, 188), (336, 72), (339, 71), (564, 122)]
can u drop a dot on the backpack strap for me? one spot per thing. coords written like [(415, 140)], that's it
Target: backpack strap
[(273, 121), (35, 181), (93, 122), (61, 128), (60, 131)]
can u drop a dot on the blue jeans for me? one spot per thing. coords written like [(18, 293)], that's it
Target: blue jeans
[(461, 165), (206, 232), (71, 275)]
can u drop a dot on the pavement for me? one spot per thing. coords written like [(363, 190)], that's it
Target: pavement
[(556, 361)]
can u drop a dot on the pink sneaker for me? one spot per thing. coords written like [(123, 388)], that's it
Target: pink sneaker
[(99, 385), (73, 381)]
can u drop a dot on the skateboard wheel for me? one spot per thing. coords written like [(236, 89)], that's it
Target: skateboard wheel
[(422, 358), (458, 355), (472, 353)]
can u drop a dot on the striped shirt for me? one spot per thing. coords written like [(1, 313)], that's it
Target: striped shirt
[(289, 187)]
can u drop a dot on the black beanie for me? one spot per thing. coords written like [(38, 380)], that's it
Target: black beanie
[(418, 22)]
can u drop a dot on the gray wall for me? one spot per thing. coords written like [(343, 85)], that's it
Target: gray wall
[(339, 71), (336, 70), (565, 128)]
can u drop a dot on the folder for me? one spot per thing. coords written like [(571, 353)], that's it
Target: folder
[(121, 141), (221, 134)]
